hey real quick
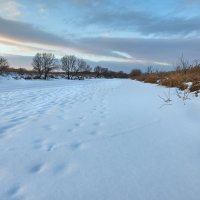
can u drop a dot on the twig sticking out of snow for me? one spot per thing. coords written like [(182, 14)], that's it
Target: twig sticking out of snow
[(183, 95), (166, 98)]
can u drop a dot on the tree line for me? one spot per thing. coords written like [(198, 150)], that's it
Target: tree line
[(71, 66)]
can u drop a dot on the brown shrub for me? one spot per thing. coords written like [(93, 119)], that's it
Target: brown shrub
[(182, 86), (152, 78), (195, 87), (140, 78), (176, 79)]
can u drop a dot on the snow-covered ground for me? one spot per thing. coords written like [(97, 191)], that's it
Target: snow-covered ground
[(97, 140)]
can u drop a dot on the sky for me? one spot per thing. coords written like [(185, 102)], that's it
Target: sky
[(117, 34)]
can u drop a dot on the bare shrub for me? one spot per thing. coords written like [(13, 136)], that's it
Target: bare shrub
[(183, 64), (166, 98), (149, 70), (183, 95), (135, 72)]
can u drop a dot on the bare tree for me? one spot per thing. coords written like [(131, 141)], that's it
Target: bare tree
[(38, 64), (88, 69), (183, 64), (49, 63), (44, 63), (81, 65), (80, 68), (104, 71), (100, 71), (3, 64), (68, 64), (97, 71)]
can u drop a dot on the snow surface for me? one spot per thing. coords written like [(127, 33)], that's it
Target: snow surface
[(97, 140)]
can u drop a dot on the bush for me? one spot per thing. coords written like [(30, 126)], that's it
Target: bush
[(152, 78), (195, 87), (135, 72)]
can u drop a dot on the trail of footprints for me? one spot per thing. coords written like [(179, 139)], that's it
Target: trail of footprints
[(34, 105), (100, 112), (61, 168), (18, 191), (44, 145)]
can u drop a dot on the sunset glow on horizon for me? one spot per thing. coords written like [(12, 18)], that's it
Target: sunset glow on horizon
[(119, 34)]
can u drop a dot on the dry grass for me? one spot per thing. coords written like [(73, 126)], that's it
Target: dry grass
[(195, 87), (152, 78), (178, 78)]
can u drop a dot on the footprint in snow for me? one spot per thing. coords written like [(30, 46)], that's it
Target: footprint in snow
[(78, 145), (60, 168), (14, 190), (50, 127), (96, 133), (51, 147), (98, 124), (37, 168), (70, 130)]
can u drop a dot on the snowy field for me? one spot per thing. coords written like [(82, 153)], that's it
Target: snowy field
[(97, 140)]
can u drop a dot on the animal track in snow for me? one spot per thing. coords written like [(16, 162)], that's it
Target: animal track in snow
[(77, 124), (37, 168), (14, 191), (51, 147), (60, 168), (38, 144), (70, 130), (78, 145), (97, 124), (50, 127), (96, 133)]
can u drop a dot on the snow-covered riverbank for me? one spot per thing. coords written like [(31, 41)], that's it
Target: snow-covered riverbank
[(97, 140)]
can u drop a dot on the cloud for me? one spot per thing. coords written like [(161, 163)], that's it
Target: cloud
[(148, 51), (137, 52), (19, 61), (118, 49), (10, 9), (161, 39), (117, 16), (27, 33), (143, 22), (82, 3)]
